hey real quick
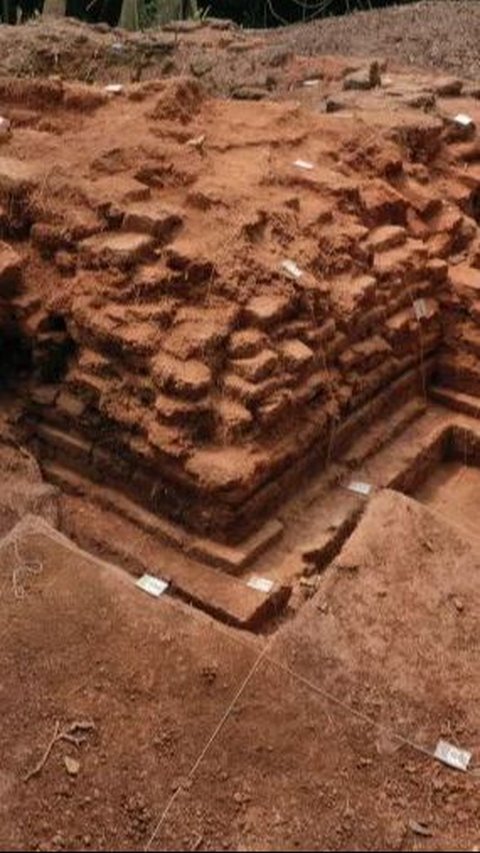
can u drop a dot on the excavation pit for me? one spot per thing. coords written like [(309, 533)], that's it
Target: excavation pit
[(204, 344), (211, 332), (453, 486)]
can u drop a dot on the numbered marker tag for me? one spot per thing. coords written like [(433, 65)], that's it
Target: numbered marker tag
[(154, 586), (463, 120), (310, 83), (292, 269), (459, 759), (420, 308), (260, 584), (304, 164), (114, 88), (359, 488)]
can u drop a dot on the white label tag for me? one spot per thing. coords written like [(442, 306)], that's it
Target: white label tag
[(154, 586), (303, 164), (114, 88), (292, 269), (359, 488), (260, 584), (420, 308), (463, 119), (311, 82), (459, 759)]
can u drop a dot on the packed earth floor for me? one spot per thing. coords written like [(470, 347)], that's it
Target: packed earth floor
[(240, 354)]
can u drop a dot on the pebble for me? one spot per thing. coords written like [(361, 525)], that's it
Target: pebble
[(419, 828), (72, 765)]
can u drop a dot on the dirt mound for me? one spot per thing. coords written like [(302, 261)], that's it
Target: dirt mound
[(241, 63), (435, 33)]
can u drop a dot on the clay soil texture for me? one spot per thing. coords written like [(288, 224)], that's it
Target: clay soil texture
[(328, 745), (214, 316)]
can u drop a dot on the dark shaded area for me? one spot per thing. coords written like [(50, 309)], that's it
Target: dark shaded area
[(249, 13), (271, 13), (12, 11), (95, 11)]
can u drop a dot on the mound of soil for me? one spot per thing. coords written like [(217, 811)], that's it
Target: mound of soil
[(435, 33), (244, 63)]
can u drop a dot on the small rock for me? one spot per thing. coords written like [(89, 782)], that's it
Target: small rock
[(334, 105), (308, 582), (458, 604), (201, 65), (366, 78), (196, 142), (420, 828), (448, 86), (72, 765)]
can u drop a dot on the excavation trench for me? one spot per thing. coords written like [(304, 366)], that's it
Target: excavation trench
[(202, 332)]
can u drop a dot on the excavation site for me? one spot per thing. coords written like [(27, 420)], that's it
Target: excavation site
[(240, 435)]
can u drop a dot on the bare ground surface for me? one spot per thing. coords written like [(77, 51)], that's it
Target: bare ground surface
[(391, 634)]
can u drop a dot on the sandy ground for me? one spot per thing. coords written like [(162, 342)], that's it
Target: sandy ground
[(391, 634)]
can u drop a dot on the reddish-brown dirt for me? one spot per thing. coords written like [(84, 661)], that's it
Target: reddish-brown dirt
[(191, 288), (390, 634), (453, 489), (235, 338)]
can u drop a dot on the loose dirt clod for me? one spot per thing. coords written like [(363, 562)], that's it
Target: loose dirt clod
[(72, 765)]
